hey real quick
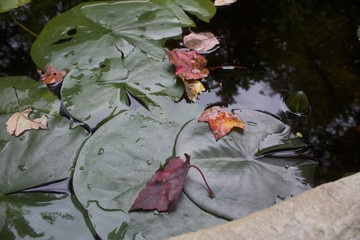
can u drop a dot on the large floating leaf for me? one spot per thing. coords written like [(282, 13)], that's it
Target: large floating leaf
[(203, 9), (7, 5), (40, 156), (41, 216), (114, 165), (113, 50), (89, 33), (242, 180), (145, 79)]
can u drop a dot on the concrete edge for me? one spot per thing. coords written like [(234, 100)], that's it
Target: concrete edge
[(330, 211)]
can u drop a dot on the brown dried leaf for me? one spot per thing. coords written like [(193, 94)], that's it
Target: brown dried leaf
[(202, 42), (223, 2), (19, 122)]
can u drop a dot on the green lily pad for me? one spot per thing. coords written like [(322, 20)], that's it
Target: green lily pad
[(113, 50), (203, 9), (42, 216), (243, 180), (37, 156), (297, 102), (7, 5), (114, 165)]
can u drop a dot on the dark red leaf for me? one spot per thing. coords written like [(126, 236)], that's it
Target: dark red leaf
[(163, 190)]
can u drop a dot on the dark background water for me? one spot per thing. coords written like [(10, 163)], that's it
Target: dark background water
[(286, 46)]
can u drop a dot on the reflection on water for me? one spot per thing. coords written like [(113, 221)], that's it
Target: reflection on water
[(289, 46), (42, 216), (286, 46), (258, 96)]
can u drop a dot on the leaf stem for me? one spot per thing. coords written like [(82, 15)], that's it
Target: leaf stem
[(23, 27), (226, 67), (17, 98), (211, 193)]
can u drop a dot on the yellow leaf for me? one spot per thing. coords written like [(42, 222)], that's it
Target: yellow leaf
[(193, 88), (19, 122)]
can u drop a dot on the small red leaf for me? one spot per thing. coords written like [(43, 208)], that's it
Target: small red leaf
[(221, 121), (51, 75), (163, 190), (189, 65)]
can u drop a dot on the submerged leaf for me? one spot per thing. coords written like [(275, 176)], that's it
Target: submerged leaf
[(19, 122), (203, 41), (221, 121), (51, 75), (163, 190), (189, 65)]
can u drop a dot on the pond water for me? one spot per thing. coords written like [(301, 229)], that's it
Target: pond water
[(285, 47), (289, 46)]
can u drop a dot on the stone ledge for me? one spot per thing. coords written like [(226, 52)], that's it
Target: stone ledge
[(330, 211)]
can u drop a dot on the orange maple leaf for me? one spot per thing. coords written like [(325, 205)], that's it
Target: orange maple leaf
[(51, 75), (221, 121)]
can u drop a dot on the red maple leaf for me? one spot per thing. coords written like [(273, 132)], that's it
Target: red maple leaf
[(163, 190), (189, 65), (221, 121), (51, 75)]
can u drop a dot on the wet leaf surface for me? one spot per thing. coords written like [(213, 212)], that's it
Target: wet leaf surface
[(243, 181), (36, 157), (116, 51), (114, 165)]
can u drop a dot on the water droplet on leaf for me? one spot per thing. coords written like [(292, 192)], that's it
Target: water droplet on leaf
[(101, 151), (23, 167), (251, 123)]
